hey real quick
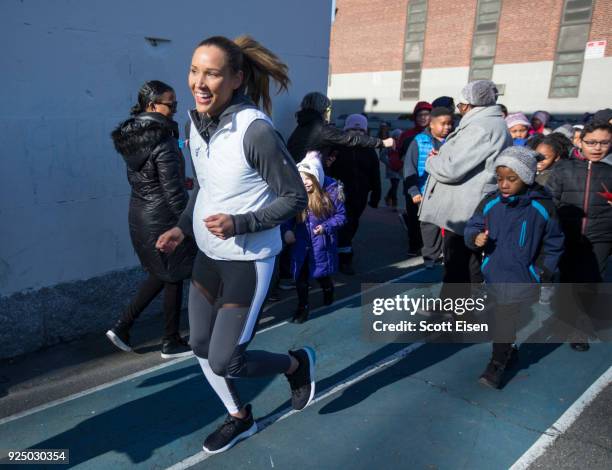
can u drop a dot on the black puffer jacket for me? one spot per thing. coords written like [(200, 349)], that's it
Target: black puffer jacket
[(567, 183), (312, 133), (156, 173)]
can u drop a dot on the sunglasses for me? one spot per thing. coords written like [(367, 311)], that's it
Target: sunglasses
[(172, 105)]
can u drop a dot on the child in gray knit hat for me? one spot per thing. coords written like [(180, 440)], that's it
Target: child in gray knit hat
[(517, 229)]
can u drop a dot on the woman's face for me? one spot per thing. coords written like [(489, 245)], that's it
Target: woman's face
[(549, 154), (166, 105), (422, 118), (211, 80)]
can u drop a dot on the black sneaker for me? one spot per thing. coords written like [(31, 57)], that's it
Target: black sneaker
[(328, 295), (232, 431), (493, 375), (580, 347), (273, 296), (302, 381), (301, 314), (119, 335), (175, 347)]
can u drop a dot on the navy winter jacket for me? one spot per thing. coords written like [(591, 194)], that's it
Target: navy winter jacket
[(525, 239), (322, 250)]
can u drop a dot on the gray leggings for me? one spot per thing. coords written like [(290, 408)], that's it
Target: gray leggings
[(221, 330)]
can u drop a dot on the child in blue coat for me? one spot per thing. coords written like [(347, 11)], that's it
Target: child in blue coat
[(517, 228), (313, 234)]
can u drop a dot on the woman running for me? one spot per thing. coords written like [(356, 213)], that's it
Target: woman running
[(246, 185)]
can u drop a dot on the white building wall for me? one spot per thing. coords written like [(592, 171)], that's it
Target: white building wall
[(70, 73), (526, 90)]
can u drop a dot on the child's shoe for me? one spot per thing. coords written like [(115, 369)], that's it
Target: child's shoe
[(301, 314), (493, 375), (328, 295)]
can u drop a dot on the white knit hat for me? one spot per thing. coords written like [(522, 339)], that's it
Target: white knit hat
[(312, 165)]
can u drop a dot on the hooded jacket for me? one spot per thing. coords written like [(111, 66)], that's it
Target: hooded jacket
[(525, 240), (312, 133), (321, 250), (464, 170), (156, 173)]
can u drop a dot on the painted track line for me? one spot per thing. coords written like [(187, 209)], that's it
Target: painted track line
[(563, 423), (353, 379), (158, 367)]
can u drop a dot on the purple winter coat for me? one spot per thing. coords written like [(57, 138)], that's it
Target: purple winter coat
[(322, 250)]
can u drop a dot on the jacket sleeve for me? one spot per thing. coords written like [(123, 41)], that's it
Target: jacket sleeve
[(471, 149), (411, 175), (338, 219), (266, 153), (185, 222), (375, 186), (552, 247), (475, 225), (170, 177), (555, 183), (332, 136)]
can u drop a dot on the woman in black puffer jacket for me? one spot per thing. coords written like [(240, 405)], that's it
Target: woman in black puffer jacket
[(156, 172)]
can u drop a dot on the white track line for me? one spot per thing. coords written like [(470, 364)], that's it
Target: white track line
[(135, 375), (357, 377), (563, 423)]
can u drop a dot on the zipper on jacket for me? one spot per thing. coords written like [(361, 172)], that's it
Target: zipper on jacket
[(523, 233), (585, 204)]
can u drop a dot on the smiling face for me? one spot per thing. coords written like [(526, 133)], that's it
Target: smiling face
[(307, 180), (549, 154), (422, 118), (211, 81), (508, 181)]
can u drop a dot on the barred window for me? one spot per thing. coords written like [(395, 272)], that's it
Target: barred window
[(413, 49), (569, 55)]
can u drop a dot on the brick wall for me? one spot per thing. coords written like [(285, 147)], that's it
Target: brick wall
[(528, 34), (601, 27), (368, 36), (448, 38)]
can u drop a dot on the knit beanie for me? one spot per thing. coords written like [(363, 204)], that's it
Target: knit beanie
[(603, 115), (479, 93), (311, 164), (517, 119), (522, 160), (356, 121), (543, 116)]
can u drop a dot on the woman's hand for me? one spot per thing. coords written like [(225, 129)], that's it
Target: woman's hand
[(289, 237), (389, 143), (417, 199), (168, 241), (319, 229), (220, 225)]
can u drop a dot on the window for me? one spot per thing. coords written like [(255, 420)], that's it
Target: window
[(569, 57), (485, 39), (413, 49)]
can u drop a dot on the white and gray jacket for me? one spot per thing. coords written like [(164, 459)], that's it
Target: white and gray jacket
[(243, 169)]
